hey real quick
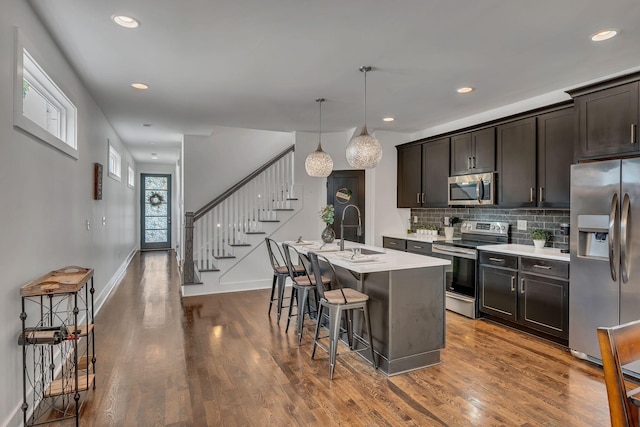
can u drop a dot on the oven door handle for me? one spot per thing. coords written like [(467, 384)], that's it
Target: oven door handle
[(439, 250), (480, 190)]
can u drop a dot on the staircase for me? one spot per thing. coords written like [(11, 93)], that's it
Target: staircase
[(226, 231)]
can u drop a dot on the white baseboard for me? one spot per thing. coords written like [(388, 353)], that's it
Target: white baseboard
[(197, 290)]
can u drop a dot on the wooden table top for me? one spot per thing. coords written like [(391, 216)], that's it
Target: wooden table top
[(61, 281)]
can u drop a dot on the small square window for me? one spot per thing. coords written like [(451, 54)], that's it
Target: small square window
[(131, 177), (114, 162)]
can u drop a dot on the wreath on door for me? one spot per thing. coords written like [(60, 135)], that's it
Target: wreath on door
[(156, 199)]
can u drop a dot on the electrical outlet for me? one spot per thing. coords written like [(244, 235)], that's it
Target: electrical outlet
[(415, 219), (522, 224), (446, 220)]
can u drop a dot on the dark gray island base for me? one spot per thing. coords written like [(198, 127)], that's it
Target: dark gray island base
[(407, 311)]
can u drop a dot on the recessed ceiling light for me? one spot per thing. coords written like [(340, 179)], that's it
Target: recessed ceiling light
[(125, 21), (465, 89), (140, 86), (604, 35), (388, 119), (154, 156), (147, 125)]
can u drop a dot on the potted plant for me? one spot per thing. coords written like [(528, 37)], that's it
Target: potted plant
[(327, 214), (539, 237)]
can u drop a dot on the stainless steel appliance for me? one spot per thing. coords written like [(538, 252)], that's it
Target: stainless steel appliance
[(461, 276), (474, 189), (605, 251)]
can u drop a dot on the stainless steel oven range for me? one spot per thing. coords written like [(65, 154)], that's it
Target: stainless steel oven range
[(461, 277)]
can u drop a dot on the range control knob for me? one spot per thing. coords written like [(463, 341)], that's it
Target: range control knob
[(503, 227), (493, 227)]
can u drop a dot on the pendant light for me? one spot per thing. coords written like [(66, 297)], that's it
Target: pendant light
[(364, 151), (319, 163)]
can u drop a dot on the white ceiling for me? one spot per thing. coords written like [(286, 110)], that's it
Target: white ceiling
[(261, 64)]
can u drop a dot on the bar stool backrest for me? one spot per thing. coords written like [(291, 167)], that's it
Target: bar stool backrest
[(315, 259), (304, 261), (275, 254)]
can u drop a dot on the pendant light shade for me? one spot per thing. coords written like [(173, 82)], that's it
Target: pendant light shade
[(364, 151), (319, 163)]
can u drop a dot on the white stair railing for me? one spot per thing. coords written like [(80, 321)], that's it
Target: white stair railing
[(239, 212)]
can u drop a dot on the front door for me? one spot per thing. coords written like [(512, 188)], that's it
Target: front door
[(155, 211), (346, 188)]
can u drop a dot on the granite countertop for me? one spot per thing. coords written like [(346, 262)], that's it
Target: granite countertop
[(383, 260), (527, 250)]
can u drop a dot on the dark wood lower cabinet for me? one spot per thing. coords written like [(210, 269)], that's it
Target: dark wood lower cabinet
[(532, 301)]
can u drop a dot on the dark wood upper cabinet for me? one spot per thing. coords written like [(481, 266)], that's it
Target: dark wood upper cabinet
[(423, 170), (516, 164), (608, 121), (435, 173), (555, 155), (473, 152), (410, 176)]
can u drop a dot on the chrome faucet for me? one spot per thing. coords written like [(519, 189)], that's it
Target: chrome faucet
[(359, 232)]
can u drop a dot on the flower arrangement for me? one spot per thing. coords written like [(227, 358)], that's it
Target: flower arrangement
[(328, 214)]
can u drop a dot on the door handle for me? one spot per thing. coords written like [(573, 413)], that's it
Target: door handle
[(422, 197), (479, 190), (634, 128), (624, 238), (474, 161), (544, 267), (468, 162), (531, 191), (417, 197), (614, 216), (496, 259), (513, 283), (521, 286), (541, 198)]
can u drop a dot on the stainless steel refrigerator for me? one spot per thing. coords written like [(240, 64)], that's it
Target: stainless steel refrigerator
[(605, 250)]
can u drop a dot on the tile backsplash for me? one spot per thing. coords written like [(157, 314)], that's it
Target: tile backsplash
[(536, 218)]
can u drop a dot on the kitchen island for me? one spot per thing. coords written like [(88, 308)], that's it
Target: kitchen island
[(406, 301)]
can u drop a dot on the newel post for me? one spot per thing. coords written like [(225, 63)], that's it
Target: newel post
[(188, 273)]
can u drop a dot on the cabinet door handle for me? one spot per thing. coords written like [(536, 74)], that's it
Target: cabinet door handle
[(634, 127), (513, 283), (531, 191), (417, 197), (474, 161), (541, 198), (496, 259), (392, 243), (417, 247), (544, 267), (522, 286), (422, 197)]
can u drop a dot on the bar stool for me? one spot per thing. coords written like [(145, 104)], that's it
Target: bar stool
[(280, 273), (338, 301), (302, 285)]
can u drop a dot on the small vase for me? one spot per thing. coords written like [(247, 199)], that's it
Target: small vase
[(448, 233), (539, 243), (328, 235)]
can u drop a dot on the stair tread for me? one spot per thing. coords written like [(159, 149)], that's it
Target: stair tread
[(239, 244), (224, 256), (268, 220), (284, 209), (255, 232), (294, 198), (209, 269)]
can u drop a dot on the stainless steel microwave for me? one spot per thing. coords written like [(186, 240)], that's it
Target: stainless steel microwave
[(474, 189)]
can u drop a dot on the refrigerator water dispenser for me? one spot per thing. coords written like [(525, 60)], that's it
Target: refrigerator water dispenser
[(593, 236)]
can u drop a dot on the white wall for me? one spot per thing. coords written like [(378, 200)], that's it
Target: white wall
[(216, 162), (47, 197)]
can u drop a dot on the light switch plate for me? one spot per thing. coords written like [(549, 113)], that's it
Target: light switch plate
[(522, 224)]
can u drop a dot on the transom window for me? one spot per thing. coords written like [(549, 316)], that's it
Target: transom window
[(131, 177), (41, 107), (115, 161)]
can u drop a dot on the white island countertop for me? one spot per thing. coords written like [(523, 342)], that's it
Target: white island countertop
[(385, 260), (527, 250), (415, 237)]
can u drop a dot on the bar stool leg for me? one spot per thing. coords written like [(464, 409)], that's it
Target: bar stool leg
[(273, 291), (368, 325), (281, 283), (334, 336), (315, 336), (294, 295), (301, 308)]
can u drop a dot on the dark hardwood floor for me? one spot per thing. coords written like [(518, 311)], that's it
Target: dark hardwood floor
[(221, 361)]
